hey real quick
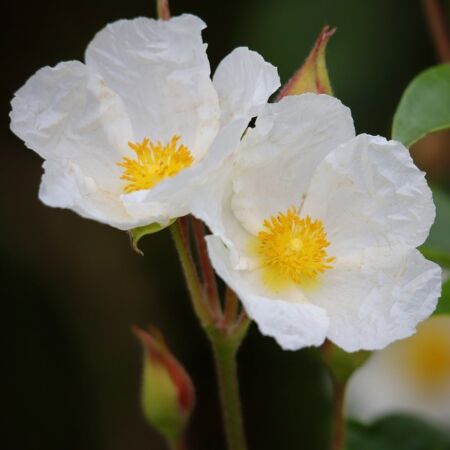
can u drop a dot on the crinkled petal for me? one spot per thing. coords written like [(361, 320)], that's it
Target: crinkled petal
[(64, 185), (212, 204), (161, 71), (377, 296), (294, 325), (278, 157), (369, 193), (244, 83), (66, 113), (175, 196)]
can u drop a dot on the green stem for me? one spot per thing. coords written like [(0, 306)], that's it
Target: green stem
[(225, 338), (225, 350), (190, 273)]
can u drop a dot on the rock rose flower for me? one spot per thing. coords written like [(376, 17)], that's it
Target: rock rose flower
[(411, 376), (316, 230), (128, 135)]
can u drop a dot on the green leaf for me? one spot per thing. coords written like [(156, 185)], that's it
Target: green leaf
[(424, 106), (443, 306), (396, 432), (437, 247), (439, 238), (438, 256), (136, 234)]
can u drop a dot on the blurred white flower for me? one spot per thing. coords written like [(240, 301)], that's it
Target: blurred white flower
[(127, 136), (411, 376), (315, 229)]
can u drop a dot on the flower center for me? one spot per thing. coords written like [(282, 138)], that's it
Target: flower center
[(293, 248), (154, 162)]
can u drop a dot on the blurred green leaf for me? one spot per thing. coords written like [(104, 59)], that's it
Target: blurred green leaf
[(396, 432), (424, 106), (437, 246), (443, 306), (439, 257)]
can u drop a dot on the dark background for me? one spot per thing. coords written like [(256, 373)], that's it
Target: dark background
[(71, 288)]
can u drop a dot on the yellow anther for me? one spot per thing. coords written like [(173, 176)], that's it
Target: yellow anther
[(293, 248), (154, 162)]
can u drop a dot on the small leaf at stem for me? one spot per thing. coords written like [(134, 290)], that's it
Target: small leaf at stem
[(313, 75), (137, 233), (424, 106)]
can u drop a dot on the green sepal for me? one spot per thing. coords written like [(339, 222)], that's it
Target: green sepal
[(136, 234)]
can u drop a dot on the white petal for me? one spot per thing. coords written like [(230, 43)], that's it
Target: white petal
[(175, 196), (369, 193), (66, 113), (294, 325), (244, 83), (277, 158), (160, 70), (212, 204), (377, 296), (386, 384), (64, 185)]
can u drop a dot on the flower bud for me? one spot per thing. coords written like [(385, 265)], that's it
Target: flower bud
[(313, 75), (168, 395)]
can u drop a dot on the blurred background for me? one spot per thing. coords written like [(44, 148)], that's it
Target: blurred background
[(71, 288)]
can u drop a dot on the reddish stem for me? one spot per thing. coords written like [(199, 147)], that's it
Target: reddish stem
[(338, 416), (438, 28), (162, 9), (231, 308), (209, 278)]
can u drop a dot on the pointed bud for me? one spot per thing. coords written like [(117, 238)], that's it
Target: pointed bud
[(313, 75), (168, 395)]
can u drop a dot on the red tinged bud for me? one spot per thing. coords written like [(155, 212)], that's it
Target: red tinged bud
[(168, 395), (313, 75)]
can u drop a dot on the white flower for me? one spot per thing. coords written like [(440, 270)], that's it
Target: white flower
[(410, 376), (128, 136), (315, 229)]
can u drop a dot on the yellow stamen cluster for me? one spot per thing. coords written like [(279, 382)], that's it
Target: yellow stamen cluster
[(154, 162), (293, 248)]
